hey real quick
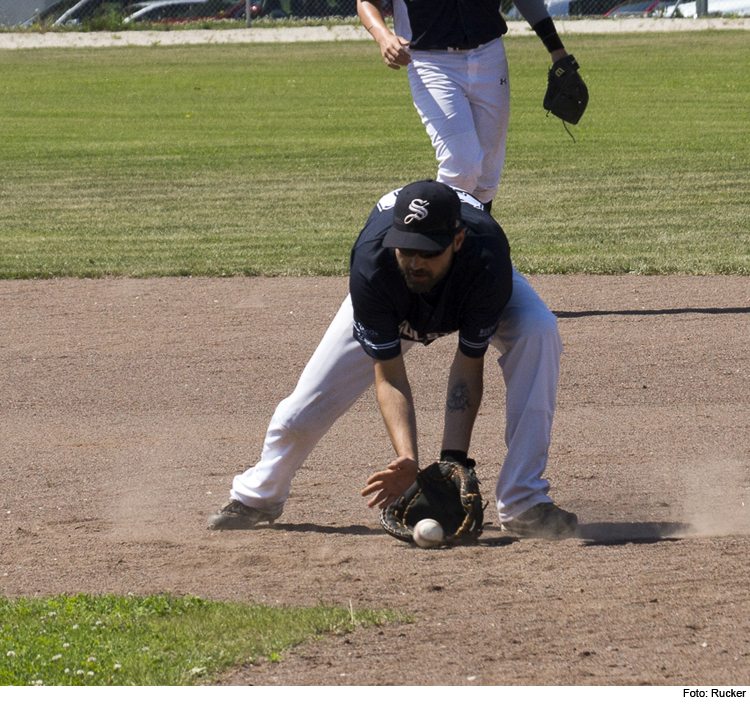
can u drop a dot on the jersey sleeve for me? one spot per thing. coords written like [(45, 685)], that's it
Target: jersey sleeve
[(376, 326), (376, 322), (485, 301)]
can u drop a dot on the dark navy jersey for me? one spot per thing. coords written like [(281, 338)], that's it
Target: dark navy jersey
[(469, 299), (439, 24)]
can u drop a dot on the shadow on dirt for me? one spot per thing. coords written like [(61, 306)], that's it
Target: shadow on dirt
[(567, 314), (366, 531), (315, 528), (593, 533), (620, 533)]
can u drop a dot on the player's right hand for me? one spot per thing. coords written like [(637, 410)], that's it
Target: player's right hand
[(388, 485), (395, 51)]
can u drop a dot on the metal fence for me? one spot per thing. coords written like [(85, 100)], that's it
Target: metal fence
[(91, 12), (82, 12)]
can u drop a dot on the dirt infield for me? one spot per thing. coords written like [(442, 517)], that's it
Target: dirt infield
[(127, 405)]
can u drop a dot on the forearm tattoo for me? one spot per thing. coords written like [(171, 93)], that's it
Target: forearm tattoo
[(458, 397)]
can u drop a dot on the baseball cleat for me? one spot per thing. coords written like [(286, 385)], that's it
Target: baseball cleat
[(545, 520), (235, 515)]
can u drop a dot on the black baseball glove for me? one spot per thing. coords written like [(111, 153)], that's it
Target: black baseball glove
[(446, 492), (567, 94)]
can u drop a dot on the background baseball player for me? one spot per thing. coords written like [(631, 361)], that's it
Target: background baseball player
[(458, 74), (429, 261)]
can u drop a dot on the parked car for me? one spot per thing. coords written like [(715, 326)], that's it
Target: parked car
[(662, 8), (556, 8), (633, 9), (49, 13), (74, 12), (579, 8), (179, 10), (238, 11), (715, 7)]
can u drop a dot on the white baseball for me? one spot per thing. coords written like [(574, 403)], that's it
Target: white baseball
[(428, 533)]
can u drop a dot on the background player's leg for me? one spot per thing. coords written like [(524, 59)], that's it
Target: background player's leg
[(438, 85), (530, 342), (489, 96)]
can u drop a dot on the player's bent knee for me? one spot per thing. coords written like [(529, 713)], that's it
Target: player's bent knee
[(539, 322), (459, 162)]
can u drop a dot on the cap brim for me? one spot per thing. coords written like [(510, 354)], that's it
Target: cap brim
[(396, 238)]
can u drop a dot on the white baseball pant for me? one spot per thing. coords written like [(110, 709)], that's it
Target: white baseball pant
[(340, 371), (463, 99)]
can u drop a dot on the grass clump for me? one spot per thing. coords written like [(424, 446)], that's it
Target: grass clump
[(154, 640)]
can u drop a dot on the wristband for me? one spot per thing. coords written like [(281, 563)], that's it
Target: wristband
[(547, 33), (455, 456)]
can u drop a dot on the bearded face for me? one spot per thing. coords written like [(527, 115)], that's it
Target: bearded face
[(422, 274)]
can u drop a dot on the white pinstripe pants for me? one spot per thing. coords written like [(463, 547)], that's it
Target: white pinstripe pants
[(463, 99)]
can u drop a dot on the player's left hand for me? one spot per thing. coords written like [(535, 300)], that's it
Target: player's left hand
[(388, 485), (395, 51), (567, 95)]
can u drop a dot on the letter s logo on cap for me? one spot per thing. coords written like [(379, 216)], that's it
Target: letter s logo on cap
[(419, 210)]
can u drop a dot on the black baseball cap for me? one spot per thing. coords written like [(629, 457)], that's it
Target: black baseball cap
[(427, 216)]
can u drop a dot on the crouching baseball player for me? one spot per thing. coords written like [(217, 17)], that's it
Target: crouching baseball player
[(429, 261)]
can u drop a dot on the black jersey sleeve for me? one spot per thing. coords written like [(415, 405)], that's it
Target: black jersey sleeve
[(481, 315), (488, 280), (376, 321), (376, 325)]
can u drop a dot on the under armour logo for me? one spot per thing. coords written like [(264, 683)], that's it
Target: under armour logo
[(503, 80), (419, 210)]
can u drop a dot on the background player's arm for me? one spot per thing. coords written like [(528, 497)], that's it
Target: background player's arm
[(393, 48), (465, 387), (536, 14), (397, 408)]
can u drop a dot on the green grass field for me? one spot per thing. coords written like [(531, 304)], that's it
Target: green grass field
[(266, 159), (151, 641)]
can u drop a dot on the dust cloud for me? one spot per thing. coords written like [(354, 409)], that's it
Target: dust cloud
[(717, 498)]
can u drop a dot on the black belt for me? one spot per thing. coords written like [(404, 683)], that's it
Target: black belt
[(462, 48)]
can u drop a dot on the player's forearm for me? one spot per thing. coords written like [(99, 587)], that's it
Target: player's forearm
[(465, 387), (397, 406), (371, 15)]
